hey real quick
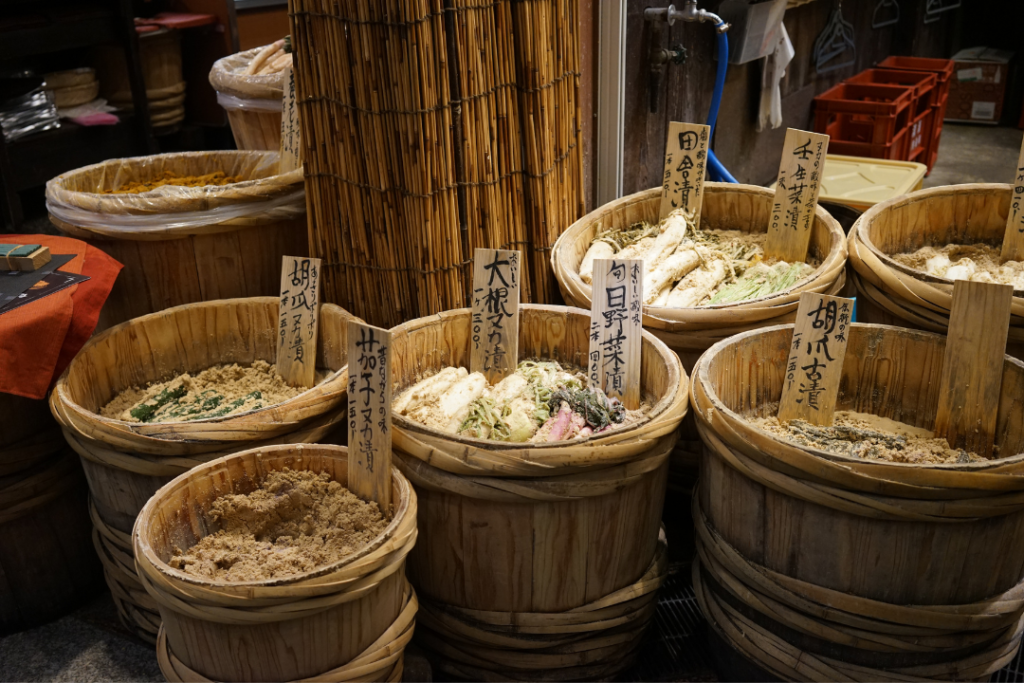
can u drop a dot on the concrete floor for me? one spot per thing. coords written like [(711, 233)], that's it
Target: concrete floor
[(90, 645)]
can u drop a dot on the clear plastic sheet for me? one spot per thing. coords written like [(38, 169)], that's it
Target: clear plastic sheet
[(228, 77), (76, 198), (232, 102)]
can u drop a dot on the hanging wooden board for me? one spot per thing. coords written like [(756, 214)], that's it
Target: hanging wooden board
[(972, 368), (616, 328), (369, 414), (816, 356), (686, 161), (291, 136), (1013, 238), (796, 196), (298, 320), (495, 333)]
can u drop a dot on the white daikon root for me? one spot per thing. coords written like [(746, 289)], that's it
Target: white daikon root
[(598, 250), (637, 250), (427, 390), (671, 269), (698, 285), (937, 265), (672, 233), (450, 407), (962, 270)]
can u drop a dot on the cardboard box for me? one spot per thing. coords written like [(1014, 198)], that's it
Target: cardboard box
[(978, 86)]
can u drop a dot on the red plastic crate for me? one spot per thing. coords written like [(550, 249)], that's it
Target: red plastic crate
[(921, 138), (942, 68), (922, 82), (887, 108), (844, 140)]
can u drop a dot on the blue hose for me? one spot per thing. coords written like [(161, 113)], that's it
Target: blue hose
[(716, 170)]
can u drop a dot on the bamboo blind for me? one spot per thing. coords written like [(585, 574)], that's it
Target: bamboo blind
[(431, 128)]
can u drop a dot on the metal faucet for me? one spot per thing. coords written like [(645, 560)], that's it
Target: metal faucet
[(689, 13)]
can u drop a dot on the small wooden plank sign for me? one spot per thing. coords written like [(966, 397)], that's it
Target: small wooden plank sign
[(796, 196), (495, 333), (298, 320), (816, 356), (972, 368), (616, 325), (1013, 239), (369, 414), (291, 135), (686, 161)]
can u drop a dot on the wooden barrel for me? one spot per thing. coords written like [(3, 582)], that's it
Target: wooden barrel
[(820, 567), (347, 621), (957, 214), (127, 462), (252, 102), (47, 565), (185, 244), (537, 560), (691, 331)]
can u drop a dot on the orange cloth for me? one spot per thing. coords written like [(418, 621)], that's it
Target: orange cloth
[(38, 340)]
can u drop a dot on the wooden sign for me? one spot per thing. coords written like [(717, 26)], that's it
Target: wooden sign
[(291, 136), (369, 414), (796, 196), (686, 162), (816, 355), (972, 368), (298, 320), (1013, 238), (616, 325), (495, 333)]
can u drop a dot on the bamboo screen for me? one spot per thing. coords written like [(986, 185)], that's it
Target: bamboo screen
[(431, 128)]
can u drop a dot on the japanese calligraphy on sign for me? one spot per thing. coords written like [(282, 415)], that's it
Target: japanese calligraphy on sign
[(369, 414), (686, 160), (495, 331), (616, 325), (796, 195), (1013, 239), (291, 138), (298, 320), (816, 355)]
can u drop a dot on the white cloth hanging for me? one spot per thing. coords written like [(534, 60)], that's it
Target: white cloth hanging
[(774, 68)]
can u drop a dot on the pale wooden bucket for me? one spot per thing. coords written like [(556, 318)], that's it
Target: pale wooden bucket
[(691, 331), (934, 217), (182, 245), (824, 567), (252, 102), (530, 547), (348, 621), (127, 462)]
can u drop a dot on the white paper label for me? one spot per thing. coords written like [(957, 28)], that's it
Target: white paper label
[(983, 110), (968, 75)]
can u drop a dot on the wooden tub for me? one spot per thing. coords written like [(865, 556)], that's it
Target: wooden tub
[(823, 567), (528, 548)]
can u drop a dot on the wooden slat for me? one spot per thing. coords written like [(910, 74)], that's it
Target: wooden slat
[(616, 329), (686, 161), (796, 195), (291, 135), (495, 334), (298, 320), (1013, 239), (369, 414)]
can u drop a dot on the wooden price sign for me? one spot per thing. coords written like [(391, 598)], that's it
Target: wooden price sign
[(816, 355), (1013, 239), (686, 161), (495, 333), (615, 329), (972, 368), (369, 414), (298, 320), (796, 196), (291, 136)]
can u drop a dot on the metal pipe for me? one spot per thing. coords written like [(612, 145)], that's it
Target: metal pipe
[(689, 13)]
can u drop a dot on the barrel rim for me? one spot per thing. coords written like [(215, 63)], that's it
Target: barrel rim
[(861, 230), (564, 269), (700, 374), (406, 506), (672, 362)]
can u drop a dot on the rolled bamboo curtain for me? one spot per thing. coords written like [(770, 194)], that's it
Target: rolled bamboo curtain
[(431, 128)]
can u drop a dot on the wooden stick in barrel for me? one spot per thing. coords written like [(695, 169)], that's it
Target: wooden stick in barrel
[(816, 354), (686, 161), (494, 337), (796, 196), (616, 328), (369, 414), (1013, 239), (972, 368), (298, 320)]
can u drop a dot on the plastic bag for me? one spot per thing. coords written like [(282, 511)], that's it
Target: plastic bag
[(76, 197), (232, 102), (228, 77)]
